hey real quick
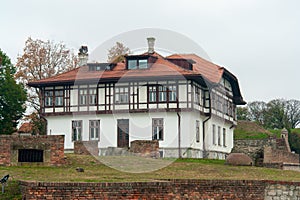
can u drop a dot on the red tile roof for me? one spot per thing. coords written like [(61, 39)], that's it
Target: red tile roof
[(206, 68), (161, 68)]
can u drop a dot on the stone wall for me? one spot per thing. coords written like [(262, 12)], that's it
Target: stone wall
[(283, 190), (86, 147), (253, 148), (52, 146), (145, 148), (272, 155), (164, 189)]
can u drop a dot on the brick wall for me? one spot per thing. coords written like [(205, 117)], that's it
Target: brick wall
[(145, 148), (52, 146), (165, 189), (86, 147)]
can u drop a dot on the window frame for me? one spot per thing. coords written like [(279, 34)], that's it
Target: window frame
[(162, 94), (224, 137), (214, 134), (219, 136), (197, 131), (138, 63), (95, 126), (85, 95), (158, 129), (119, 93), (58, 96), (48, 98), (76, 125)]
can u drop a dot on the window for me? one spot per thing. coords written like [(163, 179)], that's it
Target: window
[(172, 93), (197, 131), (197, 95), (132, 64), (157, 129), (224, 137), (83, 96), (214, 134), (160, 93), (141, 63), (88, 96), (152, 93), (92, 96), (219, 135), (59, 96), (121, 95), (48, 98), (94, 129), (76, 130)]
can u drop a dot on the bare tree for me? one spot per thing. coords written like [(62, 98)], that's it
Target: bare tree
[(117, 53), (256, 111), (293, 112), (40, 60)]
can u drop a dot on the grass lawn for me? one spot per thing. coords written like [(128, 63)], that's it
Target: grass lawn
[(94, 171)]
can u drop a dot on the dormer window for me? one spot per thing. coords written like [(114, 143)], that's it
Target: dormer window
[(141, 63), (100, 66)]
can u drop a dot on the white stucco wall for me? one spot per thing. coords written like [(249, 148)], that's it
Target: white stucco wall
[(140, 128)]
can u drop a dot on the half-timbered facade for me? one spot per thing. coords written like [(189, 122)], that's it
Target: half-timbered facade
[(182, 100)]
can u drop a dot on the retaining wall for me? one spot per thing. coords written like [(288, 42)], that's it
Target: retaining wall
[(164, 189)]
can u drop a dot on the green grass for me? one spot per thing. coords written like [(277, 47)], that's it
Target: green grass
[(296, 130), (11, 191), (242, 134), (94, 171), (275, 132)]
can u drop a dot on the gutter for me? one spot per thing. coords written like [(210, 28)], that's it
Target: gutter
[(179, 134)]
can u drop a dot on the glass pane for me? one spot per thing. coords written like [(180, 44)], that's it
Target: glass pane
[(143, 64), (132, 64)]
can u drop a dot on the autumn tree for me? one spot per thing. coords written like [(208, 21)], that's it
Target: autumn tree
[(12, 97), (40, 60), (117, 53)]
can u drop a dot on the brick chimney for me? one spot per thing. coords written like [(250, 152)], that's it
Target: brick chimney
[(151, 41), (83, 55)]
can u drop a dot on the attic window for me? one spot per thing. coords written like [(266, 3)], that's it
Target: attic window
[(99, 66), (137, 63)]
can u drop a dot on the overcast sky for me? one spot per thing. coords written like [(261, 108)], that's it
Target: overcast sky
[(256, 40)]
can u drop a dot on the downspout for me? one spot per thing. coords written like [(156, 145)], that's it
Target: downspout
[(179, 134), (203, 128)]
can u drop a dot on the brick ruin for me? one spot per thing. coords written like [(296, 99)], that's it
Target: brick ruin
[(38, 149), (86, 147), (270, 152), (145, 148)]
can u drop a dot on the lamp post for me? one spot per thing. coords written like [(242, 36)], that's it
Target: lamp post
[(4, 181)]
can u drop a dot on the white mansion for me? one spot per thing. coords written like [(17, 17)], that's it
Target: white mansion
[(182, 100)]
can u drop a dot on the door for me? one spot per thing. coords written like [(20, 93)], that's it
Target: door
[(123, 133)]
